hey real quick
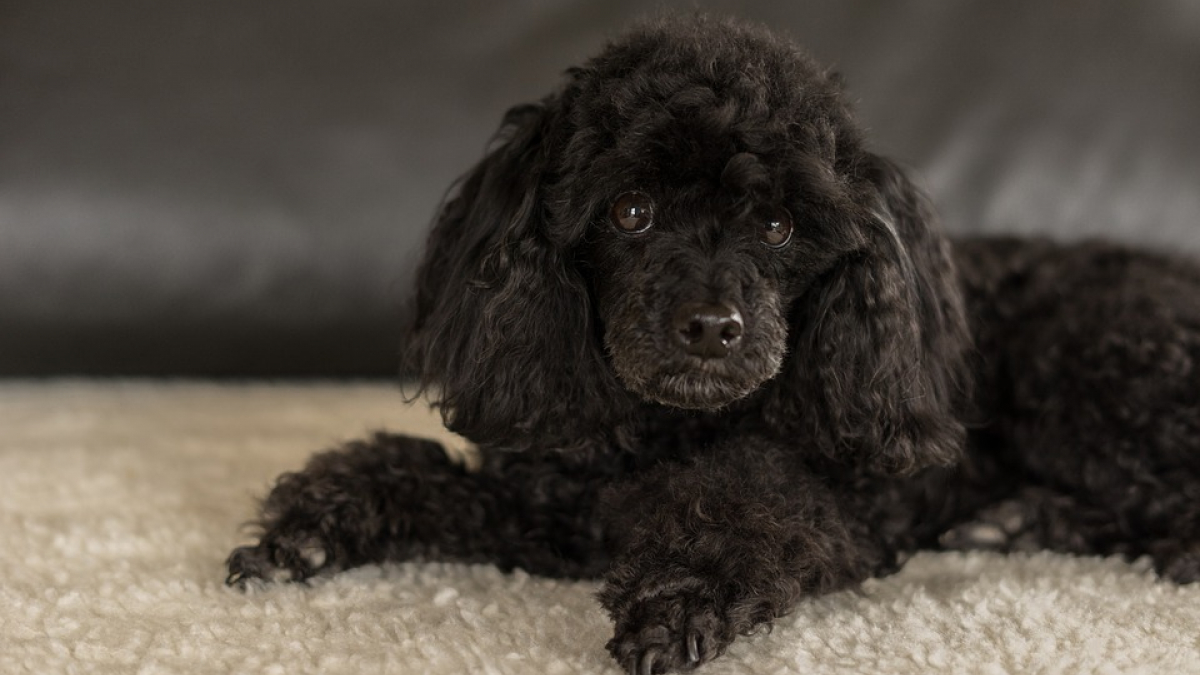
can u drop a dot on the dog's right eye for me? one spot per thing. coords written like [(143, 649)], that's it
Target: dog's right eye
[(633, 212)]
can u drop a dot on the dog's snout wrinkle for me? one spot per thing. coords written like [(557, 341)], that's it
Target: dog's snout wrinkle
[(708, 330)]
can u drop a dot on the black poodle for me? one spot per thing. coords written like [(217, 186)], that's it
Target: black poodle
[(715, 352)]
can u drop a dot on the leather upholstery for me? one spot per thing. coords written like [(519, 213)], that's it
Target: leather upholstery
[(241, 188)]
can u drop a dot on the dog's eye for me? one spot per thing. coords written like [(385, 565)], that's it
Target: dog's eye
[(633, 212), (776, 230)]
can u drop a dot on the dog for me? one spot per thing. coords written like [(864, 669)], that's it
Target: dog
[(714, 351)]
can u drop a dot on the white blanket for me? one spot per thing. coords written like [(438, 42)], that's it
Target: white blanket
[(120, 501)]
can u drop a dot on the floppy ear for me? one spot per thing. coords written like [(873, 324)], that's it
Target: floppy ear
[(876, 372), (502, 329)]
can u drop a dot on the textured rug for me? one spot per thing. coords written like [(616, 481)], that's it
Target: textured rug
[(119, 502)]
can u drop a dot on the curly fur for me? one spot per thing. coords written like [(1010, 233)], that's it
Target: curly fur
[(890, 390)]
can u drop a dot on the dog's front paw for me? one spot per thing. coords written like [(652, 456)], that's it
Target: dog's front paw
[(665, 632), (276, 559)]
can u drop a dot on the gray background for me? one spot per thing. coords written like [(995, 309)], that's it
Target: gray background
[(241, 188)]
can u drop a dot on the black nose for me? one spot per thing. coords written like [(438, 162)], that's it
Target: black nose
[(707, 330)]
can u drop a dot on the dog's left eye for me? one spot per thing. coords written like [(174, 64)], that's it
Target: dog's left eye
[(633, 212), (776, 230)]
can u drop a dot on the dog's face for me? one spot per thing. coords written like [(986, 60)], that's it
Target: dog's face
[(712, 203), (691, 293), (692, 282)]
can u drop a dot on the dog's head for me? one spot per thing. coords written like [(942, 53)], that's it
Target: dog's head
[(692, 221)]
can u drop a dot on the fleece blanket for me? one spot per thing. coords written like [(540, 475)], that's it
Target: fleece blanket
[(119, 502)]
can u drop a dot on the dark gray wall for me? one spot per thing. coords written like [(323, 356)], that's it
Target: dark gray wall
[(241, 188)]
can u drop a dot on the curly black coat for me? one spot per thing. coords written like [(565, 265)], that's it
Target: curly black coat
[(714, 351)]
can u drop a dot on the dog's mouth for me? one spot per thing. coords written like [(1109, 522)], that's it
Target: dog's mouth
[(696, 389)]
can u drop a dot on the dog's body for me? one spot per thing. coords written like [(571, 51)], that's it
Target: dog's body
[(715, 352)]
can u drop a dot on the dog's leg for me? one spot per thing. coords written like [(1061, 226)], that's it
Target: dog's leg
[(395, 498), (1163, 525), (716, 547), (1032, 519)]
